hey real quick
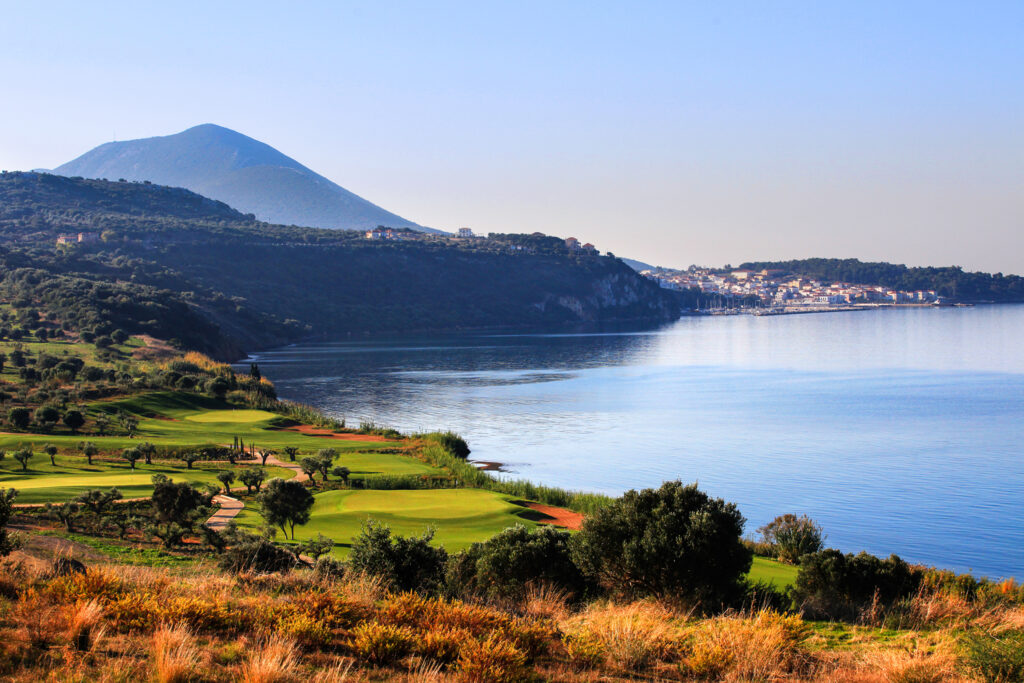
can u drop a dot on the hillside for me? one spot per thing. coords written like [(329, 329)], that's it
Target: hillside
[(224, 282), (247, 174)]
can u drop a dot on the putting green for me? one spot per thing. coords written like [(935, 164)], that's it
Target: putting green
[(460, 517), (234, 416), (776, 573)]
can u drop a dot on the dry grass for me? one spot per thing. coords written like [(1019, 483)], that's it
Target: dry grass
[(758, 646), (625, 637), (273, 661), (82, 625), (914, 667), (176, 657), (544, 601)]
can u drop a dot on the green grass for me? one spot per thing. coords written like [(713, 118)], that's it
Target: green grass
[(124, 552), (460, 516), (776, 573), (178, 419), (73, 475)]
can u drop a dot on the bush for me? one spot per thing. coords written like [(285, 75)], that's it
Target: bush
[(833, 585), (505, 565), (793, 537), (381, 643), (995, 658), (256, 555), (403, 563), (673, 542)]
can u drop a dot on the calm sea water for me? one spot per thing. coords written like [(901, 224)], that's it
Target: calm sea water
[(898, 430)]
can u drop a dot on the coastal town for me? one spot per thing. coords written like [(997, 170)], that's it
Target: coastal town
[(779, 291)]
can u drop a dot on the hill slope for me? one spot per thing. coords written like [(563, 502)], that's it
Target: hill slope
[(176, 265), (247, 174)]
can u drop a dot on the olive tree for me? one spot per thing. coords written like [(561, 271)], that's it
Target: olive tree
[(285, 503)]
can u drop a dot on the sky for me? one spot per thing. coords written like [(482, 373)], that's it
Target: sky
[(670, 132)]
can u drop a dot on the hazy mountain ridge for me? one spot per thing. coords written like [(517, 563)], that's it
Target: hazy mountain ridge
[(250, 175)]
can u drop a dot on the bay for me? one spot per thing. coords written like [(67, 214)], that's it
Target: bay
[(899, 430)]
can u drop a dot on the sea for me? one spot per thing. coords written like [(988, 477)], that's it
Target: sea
[(899, 430)]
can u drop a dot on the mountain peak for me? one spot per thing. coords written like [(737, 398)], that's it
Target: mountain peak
[(247, 174)]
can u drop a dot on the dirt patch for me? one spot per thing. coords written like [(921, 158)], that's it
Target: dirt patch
[(488, 465), (42, 550), (154, 349), (310, 430), (557, 516)]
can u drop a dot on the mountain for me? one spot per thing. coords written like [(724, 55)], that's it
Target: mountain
[(249, 175), (173, 264)]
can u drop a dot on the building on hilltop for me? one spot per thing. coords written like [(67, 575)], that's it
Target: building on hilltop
[(466, 232), (572, 244), (79, 238)]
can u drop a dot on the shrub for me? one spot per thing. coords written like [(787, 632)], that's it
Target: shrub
[(995, 657), (494, 660), (505, 565), (833, 585), (381, 643), (403, 563), (673, 542), (256, 555), (793, 537)]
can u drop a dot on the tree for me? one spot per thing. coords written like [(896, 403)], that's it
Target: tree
[(291, 452), (793, 537), (226, 478), (315, 547), (23, 455), (8, 541), (3, 360), (831, 585), (285, 503), (19, 417), (122, 521), (51, 451), (217, 387), (102, 424), (148, 450), (74, 420), (89, 450), (190, 457), (403, 563), (254, 372), (670, 542), (66, 513), (342, 473), (131, 455), (264, 454), (119, 336), (177, 508), (310, 466), (325, 459), (252, 477), (97, 500), (508, 563), (47, 416)]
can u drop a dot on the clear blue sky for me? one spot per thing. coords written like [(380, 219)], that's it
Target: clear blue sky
[(671, 132)]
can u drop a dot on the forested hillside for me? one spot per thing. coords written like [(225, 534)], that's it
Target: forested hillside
[(179, 266), (951, 281)]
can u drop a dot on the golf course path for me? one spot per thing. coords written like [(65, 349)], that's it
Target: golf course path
[(229, 509), (294, 467)]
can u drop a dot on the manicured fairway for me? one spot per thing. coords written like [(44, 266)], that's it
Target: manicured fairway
[(776, 573), (45, 483), (460, 516)]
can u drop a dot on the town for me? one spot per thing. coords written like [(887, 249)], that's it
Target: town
[(778, 291)]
